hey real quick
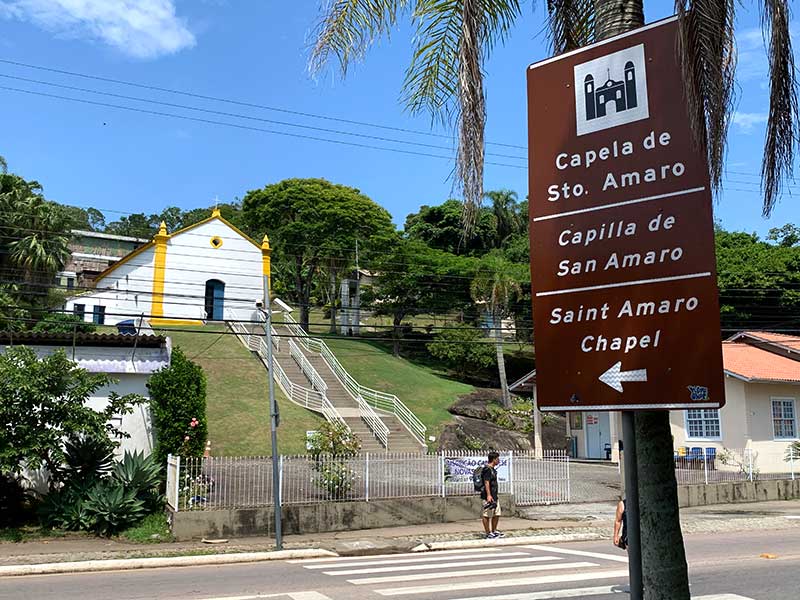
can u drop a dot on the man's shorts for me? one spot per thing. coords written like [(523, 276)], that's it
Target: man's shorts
[(491, 512)]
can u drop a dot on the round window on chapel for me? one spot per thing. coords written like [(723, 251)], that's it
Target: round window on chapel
[(216, 242)]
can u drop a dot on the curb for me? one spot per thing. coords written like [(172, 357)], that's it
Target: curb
[(510, 541), (89, 566)]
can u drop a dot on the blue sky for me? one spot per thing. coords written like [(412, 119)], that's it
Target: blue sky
[(256, 52)]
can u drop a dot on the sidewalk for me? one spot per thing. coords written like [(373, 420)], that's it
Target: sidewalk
[(587, 521)]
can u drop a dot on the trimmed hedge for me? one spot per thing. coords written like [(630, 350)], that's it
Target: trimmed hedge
[(178, 405)]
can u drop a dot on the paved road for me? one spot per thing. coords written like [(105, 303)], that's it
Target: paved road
[(719, 564)]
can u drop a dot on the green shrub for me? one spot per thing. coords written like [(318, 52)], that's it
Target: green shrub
[(113, 508), (178, 406), (86, 460), (332, 445), (464, 349), (63, 323)]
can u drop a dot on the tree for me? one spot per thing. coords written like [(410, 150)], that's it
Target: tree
[(441, 227), (463, 348), (33, 240), (758, 281), (178, 405), (788, 235), (412, 279), (496, 283), (506, 213), (312, 224), (134, 225), (43, 402)]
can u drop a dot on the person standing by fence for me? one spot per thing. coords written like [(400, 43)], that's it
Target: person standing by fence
[(491, 512)]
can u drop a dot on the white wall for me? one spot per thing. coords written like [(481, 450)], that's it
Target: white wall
[(745, 422), (127, 290), (192, 260), (138, 424)]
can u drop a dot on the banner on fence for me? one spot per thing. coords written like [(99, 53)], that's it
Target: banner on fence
[(459, 468)]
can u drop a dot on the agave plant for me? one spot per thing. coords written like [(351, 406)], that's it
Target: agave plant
[(86, 460), (140, 475), (113, 508)]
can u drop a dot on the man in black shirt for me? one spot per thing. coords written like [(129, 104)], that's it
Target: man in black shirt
[(490, 513)]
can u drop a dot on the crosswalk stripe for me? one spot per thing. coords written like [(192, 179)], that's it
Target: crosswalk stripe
[(305, 561), (603, 555), (495, 583), (470, 573), (402, 559), (722, 597), (556, 594), (467, 563)]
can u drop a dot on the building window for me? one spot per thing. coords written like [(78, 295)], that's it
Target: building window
[(216, 242), (79, 310), (99, 315), (70, 283), (702, 423), (784, 424), (619, 94)]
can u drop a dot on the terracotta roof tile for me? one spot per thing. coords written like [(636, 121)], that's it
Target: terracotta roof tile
[(753, 363), (787, 341)]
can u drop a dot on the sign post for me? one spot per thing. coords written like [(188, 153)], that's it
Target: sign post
[(625, 301)]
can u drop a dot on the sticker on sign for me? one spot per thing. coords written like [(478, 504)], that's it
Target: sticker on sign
[(626, 309)]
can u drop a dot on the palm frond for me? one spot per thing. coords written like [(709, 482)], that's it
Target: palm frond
[(453, 39), (707, 58), (571, 24), (347, 28), (780, 141), (3, 166)]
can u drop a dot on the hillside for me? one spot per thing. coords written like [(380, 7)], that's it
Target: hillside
[(238, 409), (426, 391)]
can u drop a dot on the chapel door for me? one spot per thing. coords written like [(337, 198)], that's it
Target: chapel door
[(215, 297)]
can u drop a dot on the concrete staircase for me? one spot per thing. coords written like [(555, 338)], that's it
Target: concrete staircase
[(400, 439)]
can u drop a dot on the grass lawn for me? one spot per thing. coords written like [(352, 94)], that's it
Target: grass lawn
[(425, 390), (237, 405)]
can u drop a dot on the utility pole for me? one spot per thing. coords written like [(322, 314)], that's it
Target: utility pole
[(266, 253)]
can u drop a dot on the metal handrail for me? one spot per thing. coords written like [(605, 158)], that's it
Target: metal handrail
[(373, 421), (317, 382), (376, 399)]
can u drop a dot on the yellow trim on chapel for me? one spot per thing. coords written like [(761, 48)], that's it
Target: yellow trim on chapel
[(214, 215), (176, 322), (159, 270)]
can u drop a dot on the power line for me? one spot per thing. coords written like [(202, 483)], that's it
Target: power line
[(238, 126), (246, 117), (240, 103)]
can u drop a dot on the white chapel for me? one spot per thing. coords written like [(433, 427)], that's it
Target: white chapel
[(208, 271)]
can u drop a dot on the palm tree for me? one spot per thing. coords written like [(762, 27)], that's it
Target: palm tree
[(33, 239), (505, 210), (454, 38), (446, 79), (496, 283)]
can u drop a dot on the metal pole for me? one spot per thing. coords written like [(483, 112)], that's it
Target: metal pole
[(273, 421), (791, 459), (750, 463), (705, 465), (366, 479), (632, 505)]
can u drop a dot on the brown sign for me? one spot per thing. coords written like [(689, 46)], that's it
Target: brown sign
[(626, 312)]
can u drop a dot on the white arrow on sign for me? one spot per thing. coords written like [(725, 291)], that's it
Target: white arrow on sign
[(615, 376)]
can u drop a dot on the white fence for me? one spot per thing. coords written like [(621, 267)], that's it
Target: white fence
[(713, 465), (242, 482), (173, 481)]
